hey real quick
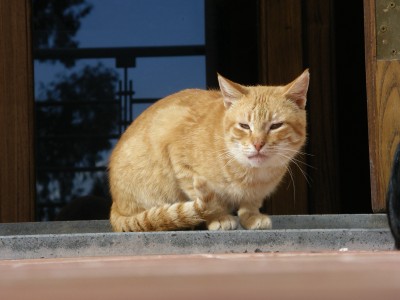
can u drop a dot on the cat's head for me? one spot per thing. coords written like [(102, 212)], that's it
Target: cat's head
[(265, 125)]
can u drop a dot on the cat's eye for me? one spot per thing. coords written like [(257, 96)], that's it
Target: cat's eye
[(276, 126), (244, 126)]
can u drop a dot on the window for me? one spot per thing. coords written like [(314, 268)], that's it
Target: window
[(97, 65)]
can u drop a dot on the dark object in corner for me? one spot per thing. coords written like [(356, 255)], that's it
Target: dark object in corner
[(393, 199), (85, 208)]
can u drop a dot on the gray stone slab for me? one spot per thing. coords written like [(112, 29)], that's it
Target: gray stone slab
[(62, 227), (360, 221), (289, 233), (349, 221), (192, 242)]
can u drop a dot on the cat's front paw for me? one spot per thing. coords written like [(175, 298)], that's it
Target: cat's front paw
[(257, 222), (226, 222)]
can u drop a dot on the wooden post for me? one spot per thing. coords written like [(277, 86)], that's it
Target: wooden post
[(323, 122), (16, 113), (296, 35), (383, 93), (281, 61)]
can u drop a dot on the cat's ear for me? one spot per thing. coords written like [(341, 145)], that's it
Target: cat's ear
[(297, 89), (230, 90)]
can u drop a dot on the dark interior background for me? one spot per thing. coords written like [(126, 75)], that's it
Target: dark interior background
[(335, 59)]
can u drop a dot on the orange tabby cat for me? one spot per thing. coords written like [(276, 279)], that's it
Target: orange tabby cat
[(198, 156)]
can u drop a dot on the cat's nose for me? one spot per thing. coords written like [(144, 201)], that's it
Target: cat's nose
[(259, 145)]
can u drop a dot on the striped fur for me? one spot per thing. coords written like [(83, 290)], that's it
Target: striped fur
[(199, 156), (176, 216)]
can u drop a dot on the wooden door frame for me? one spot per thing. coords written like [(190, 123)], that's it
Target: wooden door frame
[(302, 37), (383, 96), (17, 180), (280, 63)]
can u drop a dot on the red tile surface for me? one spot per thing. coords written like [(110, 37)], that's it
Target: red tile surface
[(331, 275)]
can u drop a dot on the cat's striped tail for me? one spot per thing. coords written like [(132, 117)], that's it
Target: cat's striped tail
[(180, 215), (175, 216)]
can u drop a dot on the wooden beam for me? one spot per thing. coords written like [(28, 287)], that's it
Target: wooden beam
[(16, 113), (383, 94)]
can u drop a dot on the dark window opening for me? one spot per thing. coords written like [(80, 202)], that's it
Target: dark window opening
[(97, 66)]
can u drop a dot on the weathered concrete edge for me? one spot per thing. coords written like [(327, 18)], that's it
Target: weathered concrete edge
[(197, 242), (358, 221)]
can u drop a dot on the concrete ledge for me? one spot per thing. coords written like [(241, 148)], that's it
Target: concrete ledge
[(359, 221), (290, 233)]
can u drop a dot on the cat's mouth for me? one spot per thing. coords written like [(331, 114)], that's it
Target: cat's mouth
[(257, 157)]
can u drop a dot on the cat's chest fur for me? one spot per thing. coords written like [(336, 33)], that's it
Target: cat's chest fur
[(238, 140), (255, 185)]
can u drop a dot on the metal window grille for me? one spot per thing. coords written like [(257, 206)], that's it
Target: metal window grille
[(124, 100)]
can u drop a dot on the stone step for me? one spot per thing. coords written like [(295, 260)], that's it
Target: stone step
[(289, 234)]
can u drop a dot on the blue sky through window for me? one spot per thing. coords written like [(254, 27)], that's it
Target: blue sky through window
[(121, 23), (130, 23)]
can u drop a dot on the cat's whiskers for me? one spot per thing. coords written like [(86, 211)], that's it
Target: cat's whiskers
[(215, 138), (226, 155), (219, 138), (291, 150), (293, 183), (280, 149), (229, 161), (291, 159), (224, 151), (223, 154)]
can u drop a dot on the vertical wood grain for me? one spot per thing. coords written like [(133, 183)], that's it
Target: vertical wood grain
[(370, 69), (281, 61), (16, 113), (384, 115), (323, 140), (281, 48), (295, 35), (383, 96)]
